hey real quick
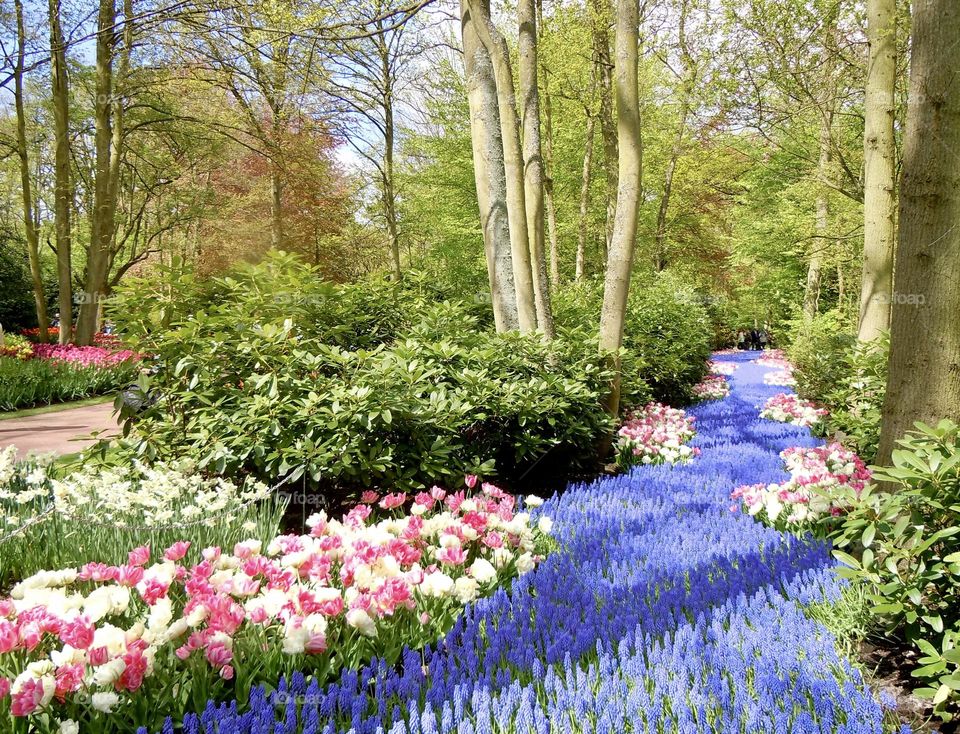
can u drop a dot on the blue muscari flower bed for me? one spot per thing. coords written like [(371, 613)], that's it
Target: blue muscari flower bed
[(663, 612)]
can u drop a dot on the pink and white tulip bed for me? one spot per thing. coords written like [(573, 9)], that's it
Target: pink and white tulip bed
[(820, 485), (84, 356), (782, 374), (712, 387), (788, 408), (81, 644), (656, 434), (774, 358), (780, 378), (719, 367)]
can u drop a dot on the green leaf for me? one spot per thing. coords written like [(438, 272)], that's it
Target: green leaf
[(952, 655), (943, 693), (928, 671), (847, 559), (890, 608)]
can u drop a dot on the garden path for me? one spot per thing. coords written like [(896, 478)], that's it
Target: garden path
[(60, 431)]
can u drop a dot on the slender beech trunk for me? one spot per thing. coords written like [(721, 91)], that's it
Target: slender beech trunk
[(63, 186), (489, 173), (580, 272), (879, 206), (549, 198), (533, 176), (551, 204), (276, 183), (687, 83), (660, 238), (603, 69), (496, 46), (106, 153), (811, 296), (389, 144), (29, 225), (923, 383), (616, 289)]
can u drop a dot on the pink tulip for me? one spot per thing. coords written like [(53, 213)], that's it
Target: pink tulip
[(28, 698), (177, 551), (392, 501), (139, 556), (78, 633)]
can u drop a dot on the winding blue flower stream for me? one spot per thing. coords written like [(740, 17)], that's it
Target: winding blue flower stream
[(662, 612)]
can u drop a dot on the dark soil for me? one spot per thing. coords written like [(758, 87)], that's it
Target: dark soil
[(891, 662)]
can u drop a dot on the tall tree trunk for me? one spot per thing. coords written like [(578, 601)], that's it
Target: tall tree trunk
[(489, 173), (63, 186), (603, 68), (29, 225), (687, 82), (660, 238), (548, 168), (879, 226), (389, 193), (811, 296), (106, 153), (496, 46), (580, 272), (616, 289), (841, 287), (533, 162), (548, 185), (276, 202), (923, 383)]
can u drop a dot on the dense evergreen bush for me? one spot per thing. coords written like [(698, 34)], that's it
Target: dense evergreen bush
[(817, 350), (17, 309), (271, 370), (667, 335), (910, 560), (847, 378)]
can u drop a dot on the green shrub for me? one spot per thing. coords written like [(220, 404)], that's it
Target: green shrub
[(856, 401), (270, 370), (667, 336), (910, 561), (268, 399), (351, 316), (845, 377), (817, 352), (33, 382)]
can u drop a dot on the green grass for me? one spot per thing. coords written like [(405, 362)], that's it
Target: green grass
[(55, 408), (849, 621)]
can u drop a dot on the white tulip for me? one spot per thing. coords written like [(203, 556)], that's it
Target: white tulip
[(360, 620), (104, 701), (483, 571)]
